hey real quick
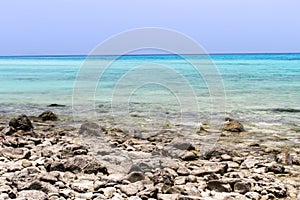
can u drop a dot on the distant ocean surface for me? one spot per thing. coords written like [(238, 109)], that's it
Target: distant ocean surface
[(262, 89)]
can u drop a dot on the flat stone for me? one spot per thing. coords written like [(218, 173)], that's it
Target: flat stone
[(209, 168), (85, 164), (168, 196), (32, 195), (83, 186), (180, 180), (15, 153), (132, 188), (183, 171)]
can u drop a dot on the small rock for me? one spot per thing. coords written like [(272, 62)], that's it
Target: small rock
[(90, 128), (67, 193), (32, 195), (26, 163), (135, 176), (242, 187), (15, 153), (211, 167), (168, 196), (48, 116), (188, 156), (21, 122), (85, 164), (253, 195), (276, 168), (183, 171), (226, 157), (218, 186), (83, 186), (180, 180), (108, 191), (132, 188)]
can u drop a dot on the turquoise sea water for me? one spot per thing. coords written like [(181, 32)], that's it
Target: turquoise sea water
[(260, 88)]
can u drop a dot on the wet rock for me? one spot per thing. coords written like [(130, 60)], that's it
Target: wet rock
[(233, 126), (32, 195), (90, 128), (183, 145), (48, 116), (56, 105), (21, 122), (242, 187), (85, 164)]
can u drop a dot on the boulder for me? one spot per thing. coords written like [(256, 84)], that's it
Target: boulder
[(233, 125), (85, 164), (48, 116), (21, 122)]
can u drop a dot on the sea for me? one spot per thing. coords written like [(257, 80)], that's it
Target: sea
[(260, 90)]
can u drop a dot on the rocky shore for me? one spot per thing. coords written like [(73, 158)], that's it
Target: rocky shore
[(42, 158)]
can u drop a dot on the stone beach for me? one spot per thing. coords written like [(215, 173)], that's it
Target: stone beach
[(47, 158)]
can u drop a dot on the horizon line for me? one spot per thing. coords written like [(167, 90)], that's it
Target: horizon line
[(150, 54)]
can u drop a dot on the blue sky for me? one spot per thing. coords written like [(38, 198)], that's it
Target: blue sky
[(35, 27)]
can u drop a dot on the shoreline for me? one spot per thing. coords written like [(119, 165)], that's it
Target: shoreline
[(144, 165)]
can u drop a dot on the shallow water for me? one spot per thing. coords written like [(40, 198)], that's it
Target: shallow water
[(261, 90)]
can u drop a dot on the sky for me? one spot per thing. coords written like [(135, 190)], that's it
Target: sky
[(65, 27)]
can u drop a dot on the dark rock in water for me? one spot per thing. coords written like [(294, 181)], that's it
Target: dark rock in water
[(183, 145), (232, 125), (21, 122), (48, 116), (290, 110), (90, 128), (56, 105)]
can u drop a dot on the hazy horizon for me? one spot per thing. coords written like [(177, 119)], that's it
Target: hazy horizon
[(76, 27)]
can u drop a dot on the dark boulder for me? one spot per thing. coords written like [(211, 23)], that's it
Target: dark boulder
[(233, 125), (21, 122), (48, 116)]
